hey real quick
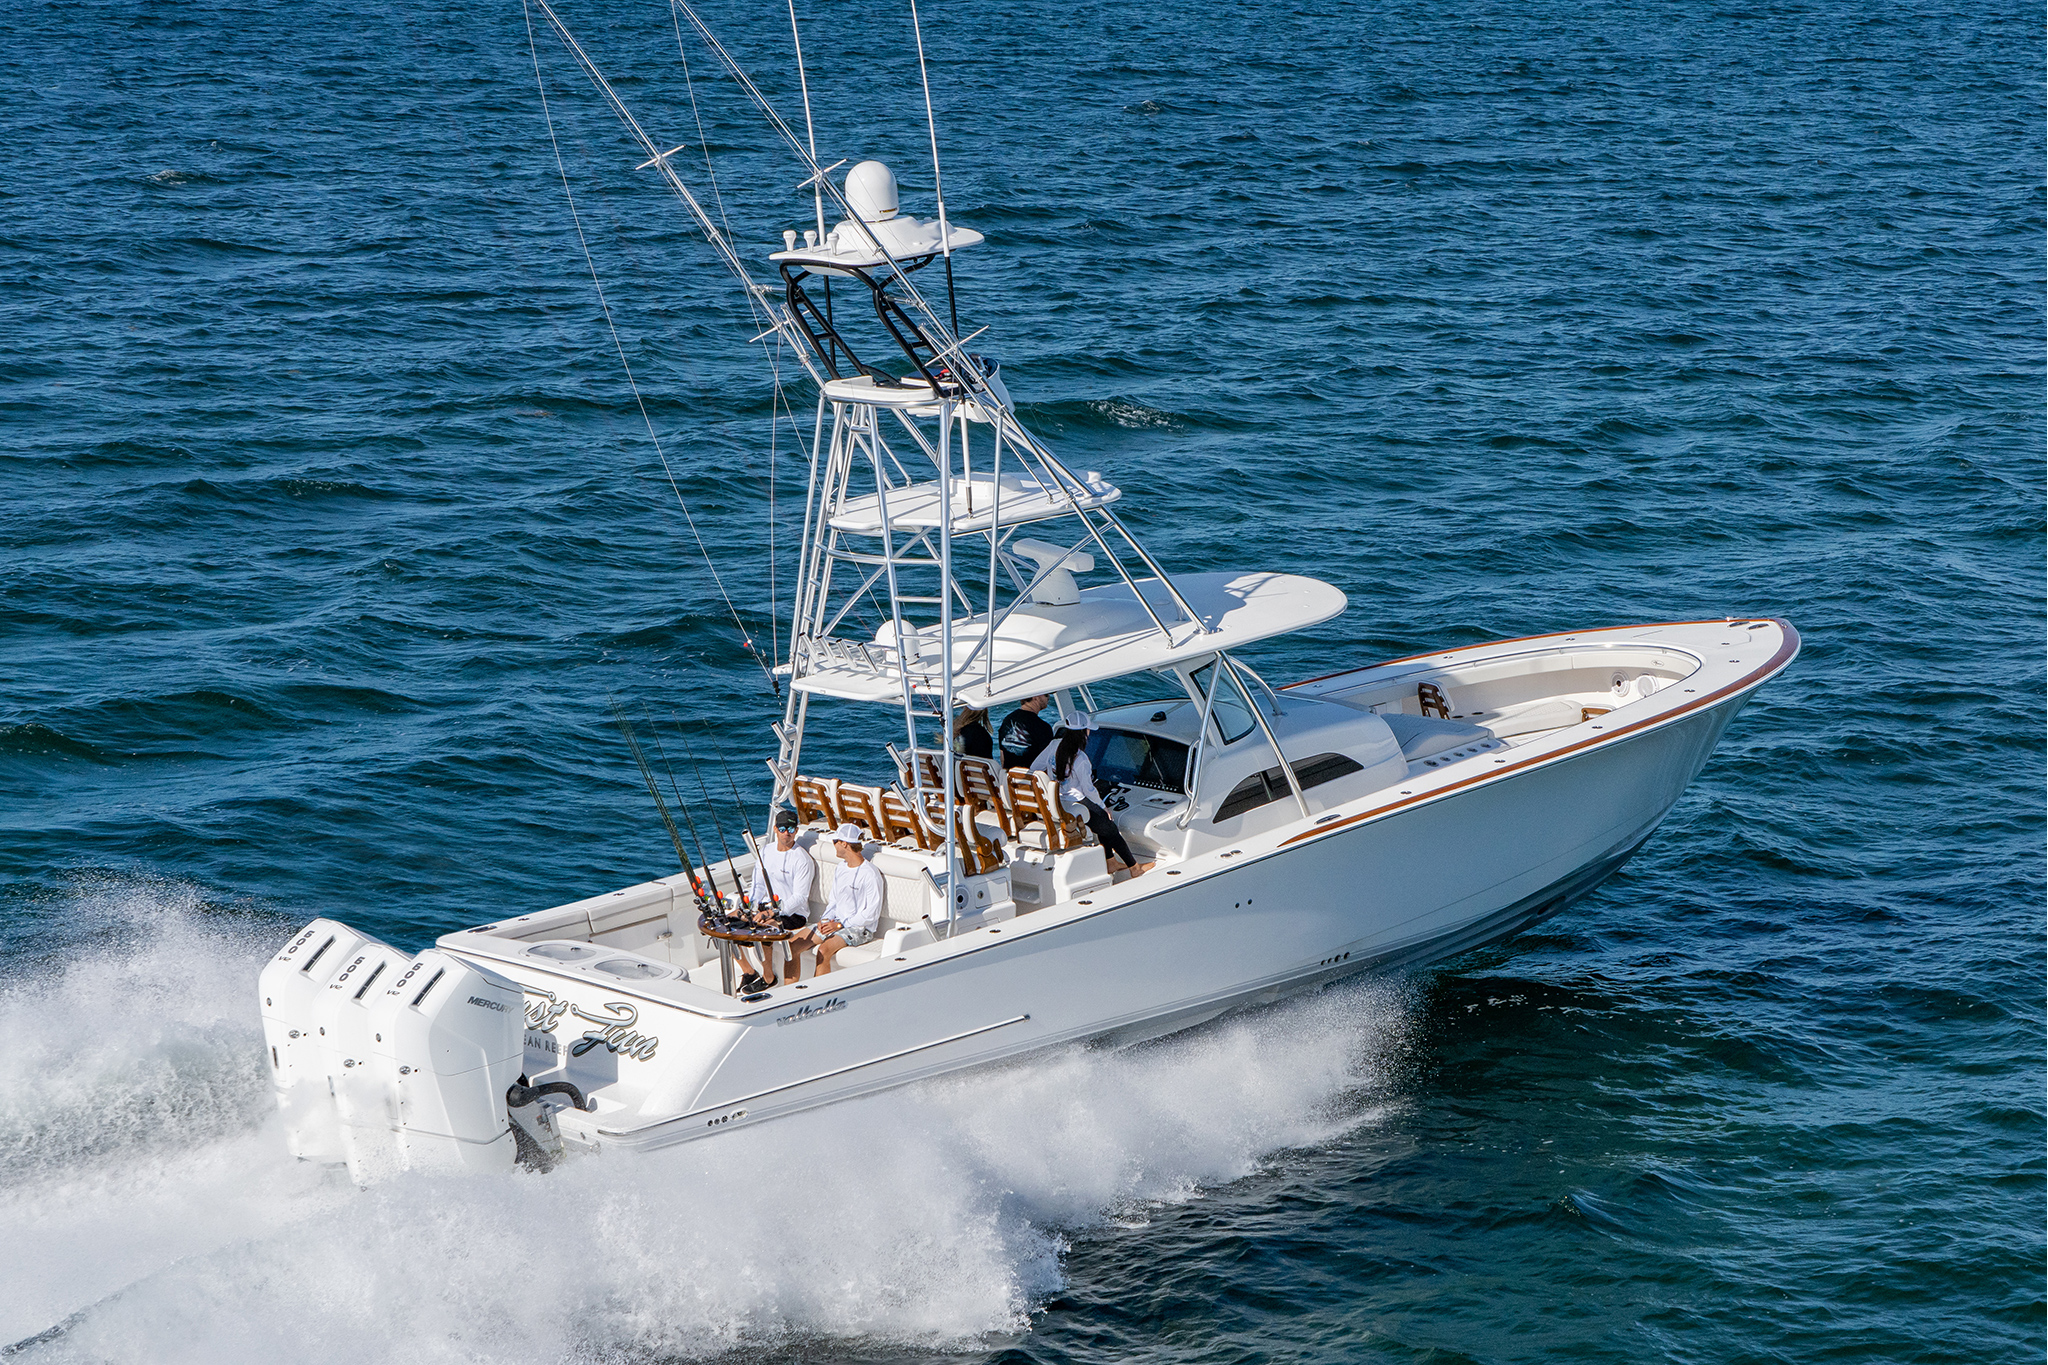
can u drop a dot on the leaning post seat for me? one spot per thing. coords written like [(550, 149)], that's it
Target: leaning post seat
[(979, 854), (1035, 802), (816, 800), (980, 785)]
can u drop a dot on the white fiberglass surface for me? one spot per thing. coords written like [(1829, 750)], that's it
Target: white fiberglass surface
[(151, 1205), (1107, 634)]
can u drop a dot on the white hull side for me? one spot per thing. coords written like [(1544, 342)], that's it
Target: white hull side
[(1411, 886)]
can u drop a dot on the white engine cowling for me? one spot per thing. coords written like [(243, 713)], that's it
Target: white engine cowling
[(364, 1106), (291, 988), (453, 1041), (381, 1059)]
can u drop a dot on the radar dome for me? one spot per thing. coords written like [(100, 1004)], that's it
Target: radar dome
[(871, 192)]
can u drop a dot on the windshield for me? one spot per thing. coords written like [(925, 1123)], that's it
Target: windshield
[(1230, 711), (1129, 759)]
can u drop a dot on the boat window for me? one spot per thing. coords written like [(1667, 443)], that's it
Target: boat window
[(1231, 713), (1134, 760), (1271, 785)]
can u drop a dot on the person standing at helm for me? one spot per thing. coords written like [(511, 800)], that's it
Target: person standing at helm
[(1024, 734), (970, 734)]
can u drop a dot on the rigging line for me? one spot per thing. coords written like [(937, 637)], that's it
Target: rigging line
[(931, 125), (774, 601), (604, 306), (719, 241), (946, 343), (690, 85), (779, 398)]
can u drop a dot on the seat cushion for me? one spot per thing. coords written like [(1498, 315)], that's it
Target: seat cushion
[(1425, 736)]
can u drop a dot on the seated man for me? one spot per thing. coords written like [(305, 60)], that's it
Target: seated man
[(852, 914), (781, 896)]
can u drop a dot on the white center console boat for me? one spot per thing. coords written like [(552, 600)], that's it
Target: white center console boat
[(1382, 816)]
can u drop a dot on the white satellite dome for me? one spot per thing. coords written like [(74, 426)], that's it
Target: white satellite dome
[(871, 192)]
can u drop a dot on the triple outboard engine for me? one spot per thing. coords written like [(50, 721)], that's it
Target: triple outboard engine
[(388, 1061)]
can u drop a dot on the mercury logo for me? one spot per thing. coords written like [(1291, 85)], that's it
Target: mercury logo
[(487, 1004)]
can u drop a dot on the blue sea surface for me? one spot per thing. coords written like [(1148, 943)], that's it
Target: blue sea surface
[(332, 530)]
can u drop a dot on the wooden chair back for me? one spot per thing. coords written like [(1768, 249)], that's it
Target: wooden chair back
[(861, 806), (814, 800), (900, 822), (1035, 797), (980, 786)]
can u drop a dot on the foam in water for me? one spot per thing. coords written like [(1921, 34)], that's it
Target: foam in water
[(150, 1202)]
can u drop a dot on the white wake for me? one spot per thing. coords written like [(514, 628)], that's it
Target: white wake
[(148, 1203)]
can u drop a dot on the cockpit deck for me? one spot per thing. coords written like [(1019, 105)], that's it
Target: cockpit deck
[(1348, 735)]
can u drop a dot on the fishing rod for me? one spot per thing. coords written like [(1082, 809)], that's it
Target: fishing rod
[(647, 775), (746, 829), (709, 891), (702, 786)]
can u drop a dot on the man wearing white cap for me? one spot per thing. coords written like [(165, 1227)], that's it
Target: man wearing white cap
[(854, 911)]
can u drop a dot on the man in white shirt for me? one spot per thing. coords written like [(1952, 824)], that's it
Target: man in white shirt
[(781, 895), (855, 910)]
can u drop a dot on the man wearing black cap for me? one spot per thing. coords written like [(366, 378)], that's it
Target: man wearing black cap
[(782, 886)]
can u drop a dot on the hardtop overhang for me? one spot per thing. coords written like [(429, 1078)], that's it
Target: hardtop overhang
[(1108, 633)]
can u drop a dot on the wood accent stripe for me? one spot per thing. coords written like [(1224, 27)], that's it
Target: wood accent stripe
[(1524, 639)]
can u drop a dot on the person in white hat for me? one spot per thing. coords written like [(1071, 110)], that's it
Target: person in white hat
[(1066, 758), (854, 911)]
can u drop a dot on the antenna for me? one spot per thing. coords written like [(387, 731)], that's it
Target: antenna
[(810, 130), (938, 185)]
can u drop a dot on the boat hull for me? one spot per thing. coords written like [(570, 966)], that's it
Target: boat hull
[(1413, 886)]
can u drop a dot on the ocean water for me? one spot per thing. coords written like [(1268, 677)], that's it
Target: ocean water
[(331, 531)]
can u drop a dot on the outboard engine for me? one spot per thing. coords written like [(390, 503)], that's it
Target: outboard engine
[(291, 988), (380, 1059)]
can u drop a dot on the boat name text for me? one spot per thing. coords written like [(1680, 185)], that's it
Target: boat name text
[(812, 1011), (614, 1032)]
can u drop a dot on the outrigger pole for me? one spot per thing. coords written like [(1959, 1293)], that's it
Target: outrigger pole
[(947, 345)]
